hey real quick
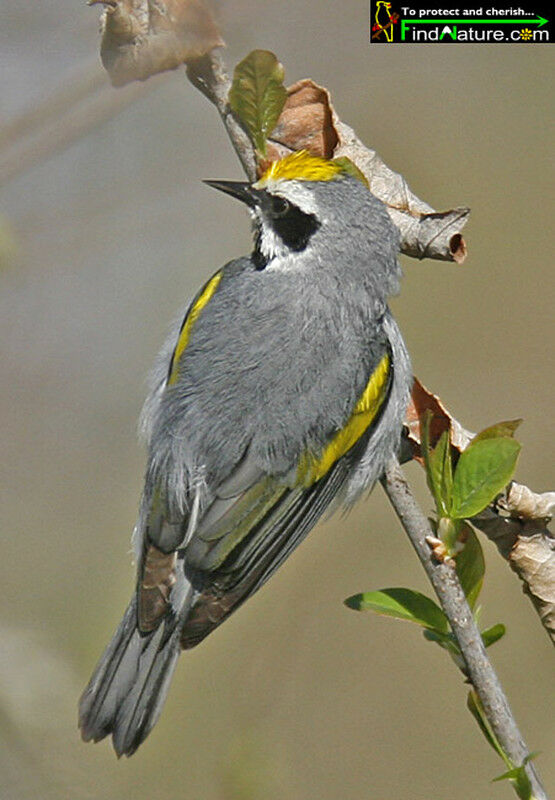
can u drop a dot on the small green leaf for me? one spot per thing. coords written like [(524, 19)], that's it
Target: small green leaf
[(474, 705), (257, 95), (439, 469), (425, 422), (483, 470), (351, 168), (471, 566), (403, 604), (448, 642), (498, 431), (436, 481), (493, 634), (447, 473), (519, 780)]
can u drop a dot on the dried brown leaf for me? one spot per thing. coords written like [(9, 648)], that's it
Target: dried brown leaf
[(441, 420), (143, 37), (425, 233), (305, 123), (533, 559), (522, 502)]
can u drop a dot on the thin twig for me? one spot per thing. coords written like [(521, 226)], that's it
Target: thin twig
[(451, 596), (209, 75)]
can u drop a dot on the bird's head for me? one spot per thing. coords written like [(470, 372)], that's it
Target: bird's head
[(309, 212)]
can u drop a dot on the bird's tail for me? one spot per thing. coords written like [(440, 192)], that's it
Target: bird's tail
[(129, 685)]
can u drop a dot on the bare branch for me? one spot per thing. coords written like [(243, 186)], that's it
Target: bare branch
[(451, 596), (209, 75), (77, 87)]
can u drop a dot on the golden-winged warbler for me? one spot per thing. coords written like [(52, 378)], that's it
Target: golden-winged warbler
[(282, 391)]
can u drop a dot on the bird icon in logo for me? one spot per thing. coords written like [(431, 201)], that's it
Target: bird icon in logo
[(384, 21)]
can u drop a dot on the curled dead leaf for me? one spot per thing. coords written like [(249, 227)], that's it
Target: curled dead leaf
[(522, 502), (143, 37), (425, 233), (441, 420), (534, 555), (305, 123)]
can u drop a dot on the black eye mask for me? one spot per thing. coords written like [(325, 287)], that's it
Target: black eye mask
[(293, 226)]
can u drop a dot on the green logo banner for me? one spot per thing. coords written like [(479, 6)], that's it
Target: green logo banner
[(399, 22)]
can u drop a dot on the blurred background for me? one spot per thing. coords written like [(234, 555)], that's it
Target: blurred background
[(105, 231)]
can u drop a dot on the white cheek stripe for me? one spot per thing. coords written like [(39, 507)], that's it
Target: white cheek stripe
[(271, 244), (272, 247)]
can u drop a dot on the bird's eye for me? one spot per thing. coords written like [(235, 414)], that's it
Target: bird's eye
[(280, 206)]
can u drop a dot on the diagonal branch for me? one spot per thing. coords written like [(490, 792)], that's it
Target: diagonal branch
[(209, 75), (451, 596)]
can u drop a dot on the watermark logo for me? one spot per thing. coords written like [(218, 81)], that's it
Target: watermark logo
[(384, 21), (444, 23)]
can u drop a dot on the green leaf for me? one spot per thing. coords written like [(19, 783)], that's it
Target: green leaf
[(440, 483), (475, 707), (519, 780), (257, 95), (499, 430), (425, 422), (493, 634), (439, 469), (351, 168), (471, 566), (448, 642), (483, 470), (447, 473), (403, 604)]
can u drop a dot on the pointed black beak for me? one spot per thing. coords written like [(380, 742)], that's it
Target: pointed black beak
[(242, 191)]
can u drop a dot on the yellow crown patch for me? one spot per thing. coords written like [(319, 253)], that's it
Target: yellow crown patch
[(301, 166)]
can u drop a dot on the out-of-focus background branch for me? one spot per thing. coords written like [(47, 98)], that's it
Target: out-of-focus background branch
[(104, 239)]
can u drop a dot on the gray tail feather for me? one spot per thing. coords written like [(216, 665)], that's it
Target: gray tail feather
[(129, 685)]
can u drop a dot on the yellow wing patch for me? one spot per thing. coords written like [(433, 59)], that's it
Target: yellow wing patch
[(311, 468), (300, 166), (190, 320)]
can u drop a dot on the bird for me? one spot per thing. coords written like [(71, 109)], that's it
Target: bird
[(279, 396)]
